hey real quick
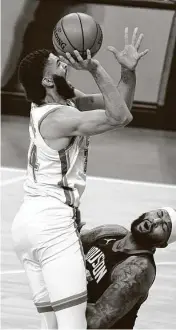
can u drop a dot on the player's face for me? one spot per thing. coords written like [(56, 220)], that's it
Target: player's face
[(58, 71), (56, 67), (153, 229)]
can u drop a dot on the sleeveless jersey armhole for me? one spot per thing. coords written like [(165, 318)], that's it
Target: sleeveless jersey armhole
[(72, 140)]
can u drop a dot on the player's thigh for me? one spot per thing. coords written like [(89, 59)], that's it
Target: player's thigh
[(40, 294), (49, 320), (65, 277), (37, 285)]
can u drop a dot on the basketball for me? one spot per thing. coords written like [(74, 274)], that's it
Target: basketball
[(77, 31)]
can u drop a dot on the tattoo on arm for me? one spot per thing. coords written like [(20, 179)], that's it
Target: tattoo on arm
[(131, 281), (90, 102), (127, 75), (127, 86)]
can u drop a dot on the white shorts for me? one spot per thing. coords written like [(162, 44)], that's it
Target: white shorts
[(48, 245)]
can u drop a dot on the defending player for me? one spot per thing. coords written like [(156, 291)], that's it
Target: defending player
[(121, 268), (44, 230)]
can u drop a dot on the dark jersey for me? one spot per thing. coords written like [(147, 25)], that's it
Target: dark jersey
[(101, 259)]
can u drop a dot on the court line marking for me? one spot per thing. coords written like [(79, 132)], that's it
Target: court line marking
[(16, 271), (12, 169), (166, 263), (132, 182), (106, 179), (20, 271), (13, 180)]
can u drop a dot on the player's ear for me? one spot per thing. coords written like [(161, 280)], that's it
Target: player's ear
[(47, 82)]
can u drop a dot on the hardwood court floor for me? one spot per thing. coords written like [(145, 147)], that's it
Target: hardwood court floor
[(105, 201)]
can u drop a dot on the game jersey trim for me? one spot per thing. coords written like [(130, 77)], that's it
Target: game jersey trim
[(65, 164), (71, 301), (39, 124)]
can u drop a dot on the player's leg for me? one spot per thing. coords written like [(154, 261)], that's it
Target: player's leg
[(50, 236), (72, 317), (27, 256), (40, 294), (65, 278), (48, 320)]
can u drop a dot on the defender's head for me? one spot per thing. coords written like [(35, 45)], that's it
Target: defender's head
[(156, 228), (41, 71)]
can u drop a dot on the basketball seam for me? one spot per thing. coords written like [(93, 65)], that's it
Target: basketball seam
[(67, 37), (95, 37), (82, 31)]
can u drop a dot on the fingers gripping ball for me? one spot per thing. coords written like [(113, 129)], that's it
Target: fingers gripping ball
[(77, 31)]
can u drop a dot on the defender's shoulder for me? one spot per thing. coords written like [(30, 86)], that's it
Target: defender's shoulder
[(113, 230), (96, 234)]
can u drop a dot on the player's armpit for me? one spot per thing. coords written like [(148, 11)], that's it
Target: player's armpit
[(68, 121), (131, 281)]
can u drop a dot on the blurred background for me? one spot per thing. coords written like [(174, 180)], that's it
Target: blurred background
[(146, 149)]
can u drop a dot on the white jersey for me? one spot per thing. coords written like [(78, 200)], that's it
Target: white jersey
[(60, 174)]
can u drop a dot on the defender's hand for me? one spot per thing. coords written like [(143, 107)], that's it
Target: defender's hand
[(79, 64), (130, 56)]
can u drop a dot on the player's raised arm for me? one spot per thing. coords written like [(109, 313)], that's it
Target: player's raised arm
[(128, 59), (130, 283), (68, 121)]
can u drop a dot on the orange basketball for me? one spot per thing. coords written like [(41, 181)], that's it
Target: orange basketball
[(77, 31)]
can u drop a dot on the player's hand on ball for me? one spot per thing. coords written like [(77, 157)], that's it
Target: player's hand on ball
[(79, 63), (130, 56)]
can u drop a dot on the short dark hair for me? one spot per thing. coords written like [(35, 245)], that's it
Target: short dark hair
[(31, 74)]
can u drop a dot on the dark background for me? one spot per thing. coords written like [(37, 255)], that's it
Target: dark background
[(38, 35)]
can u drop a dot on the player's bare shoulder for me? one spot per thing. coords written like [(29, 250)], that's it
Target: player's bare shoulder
[(90, 234), (54, 123), (114, 230), (53, 127)]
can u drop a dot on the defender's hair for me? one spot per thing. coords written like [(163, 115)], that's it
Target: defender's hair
[(31, 74)]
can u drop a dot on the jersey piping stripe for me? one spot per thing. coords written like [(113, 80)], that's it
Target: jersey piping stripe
[(80, 243), (68, 191), (86, 154), (74, 300), (64, 169)]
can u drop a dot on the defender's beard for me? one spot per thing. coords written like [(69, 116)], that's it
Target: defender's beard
[(63, 88)]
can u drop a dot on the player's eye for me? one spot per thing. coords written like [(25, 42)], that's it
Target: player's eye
[(58, 62)]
